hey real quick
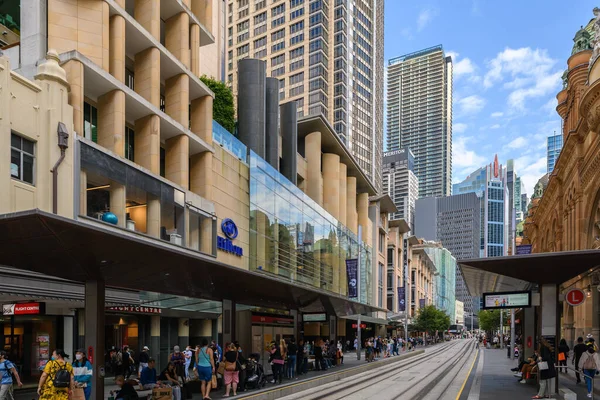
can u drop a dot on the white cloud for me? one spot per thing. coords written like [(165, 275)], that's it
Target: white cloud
[(425, 17), (463, 67), (530, 74), (459, 127), (517, 143), (471, 104), (464, 161), (530, 169), (495, 126), (497, 114)]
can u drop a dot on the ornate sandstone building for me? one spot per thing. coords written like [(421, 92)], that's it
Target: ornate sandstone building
[(567, 215)]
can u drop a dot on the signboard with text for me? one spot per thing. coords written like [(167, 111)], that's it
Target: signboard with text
[(523, 249), (506, 300), (24, 309), (136, 309), (316, 317)]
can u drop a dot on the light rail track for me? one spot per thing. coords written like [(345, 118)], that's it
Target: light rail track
[(383, 373)]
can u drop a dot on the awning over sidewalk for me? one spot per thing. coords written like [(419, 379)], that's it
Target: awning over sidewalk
[(520, 272), (79, 251)]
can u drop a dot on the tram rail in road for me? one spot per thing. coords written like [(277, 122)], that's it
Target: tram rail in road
[(385, 376)]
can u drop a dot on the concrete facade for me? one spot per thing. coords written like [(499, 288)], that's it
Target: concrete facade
[(407, 93)]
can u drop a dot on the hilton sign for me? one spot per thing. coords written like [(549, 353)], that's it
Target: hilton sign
[(230, 231)]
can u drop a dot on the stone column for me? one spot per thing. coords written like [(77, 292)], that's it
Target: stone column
[(155, 339), (117, 202), (80, 328), (184, 333), (147, 13), (74, 70), (94, 332), (351, 216), (147, 143), (111, 121), (313, 181), (177, 99), (228, 321), (195, 49), (362, 200), (153, 216), (177, 160), (343, 190), (203, 10), (117, 47), (177, 37), (147, 75), (201, 181), (201, 118), (331, 184)]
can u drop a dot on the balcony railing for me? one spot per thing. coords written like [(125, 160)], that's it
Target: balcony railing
[(229, 142)]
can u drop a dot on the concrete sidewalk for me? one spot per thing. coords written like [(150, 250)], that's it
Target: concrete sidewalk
[(498, 382)]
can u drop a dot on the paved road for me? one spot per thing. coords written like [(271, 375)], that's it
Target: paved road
[(440, 373)]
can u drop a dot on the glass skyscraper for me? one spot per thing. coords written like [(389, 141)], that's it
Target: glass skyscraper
[(489, 183), (555, 144)]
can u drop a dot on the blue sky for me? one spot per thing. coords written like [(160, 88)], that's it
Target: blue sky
[(508, 59)]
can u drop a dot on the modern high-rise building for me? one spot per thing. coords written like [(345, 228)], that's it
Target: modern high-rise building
[(554, 146), (401, 183), (327, 56), (512, 180), (454, 221), (419, 115), (489, 183), (519, 192)]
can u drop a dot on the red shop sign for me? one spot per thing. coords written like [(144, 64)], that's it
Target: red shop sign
[(575, 297), (362, 326), (23, 309)]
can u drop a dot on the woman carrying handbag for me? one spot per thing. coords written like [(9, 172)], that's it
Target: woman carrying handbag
[(546, 369)]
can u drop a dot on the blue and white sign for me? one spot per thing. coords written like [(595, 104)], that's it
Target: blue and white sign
[(230, 231)]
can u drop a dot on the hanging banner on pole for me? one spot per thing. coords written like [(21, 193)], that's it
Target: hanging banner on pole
[(352, 275), (401, 298)]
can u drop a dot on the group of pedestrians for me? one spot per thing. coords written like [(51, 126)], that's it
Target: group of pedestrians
[(585, 359)]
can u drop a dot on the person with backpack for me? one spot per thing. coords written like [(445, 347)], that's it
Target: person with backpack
[(82, 369), (589, 363), (57, 380), (8, 372)]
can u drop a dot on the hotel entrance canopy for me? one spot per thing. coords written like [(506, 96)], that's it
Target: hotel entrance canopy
[(514, 273), (82, 251)]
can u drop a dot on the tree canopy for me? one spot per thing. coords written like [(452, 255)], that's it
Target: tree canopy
[(489, 320), (430, 319), (223, 110)]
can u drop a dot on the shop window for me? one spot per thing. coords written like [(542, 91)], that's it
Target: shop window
[(129, 143), (22, 158), (90, 122), (201, 232), (129, 78)]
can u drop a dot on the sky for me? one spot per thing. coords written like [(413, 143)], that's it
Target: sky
[(508, 60)]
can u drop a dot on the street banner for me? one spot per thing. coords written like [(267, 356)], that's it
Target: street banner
[(401, 298), (421, 303), (352, 275)]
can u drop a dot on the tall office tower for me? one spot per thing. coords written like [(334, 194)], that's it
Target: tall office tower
[(489, 183), (401, 183), (555, 144), (511, 183), (419, 115), (328, 56), (524, 202), (518, 199), (455, 222)]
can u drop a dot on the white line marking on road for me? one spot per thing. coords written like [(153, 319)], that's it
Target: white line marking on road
[(476, 386)]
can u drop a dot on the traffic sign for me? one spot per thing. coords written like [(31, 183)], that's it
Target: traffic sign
[(575, 297)]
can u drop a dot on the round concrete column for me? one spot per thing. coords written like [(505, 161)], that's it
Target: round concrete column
[(314, 185), (343, 193), (351, 214), (331, 184)]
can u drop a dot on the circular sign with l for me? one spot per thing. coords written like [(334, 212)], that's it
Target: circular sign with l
[(575, 297)]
